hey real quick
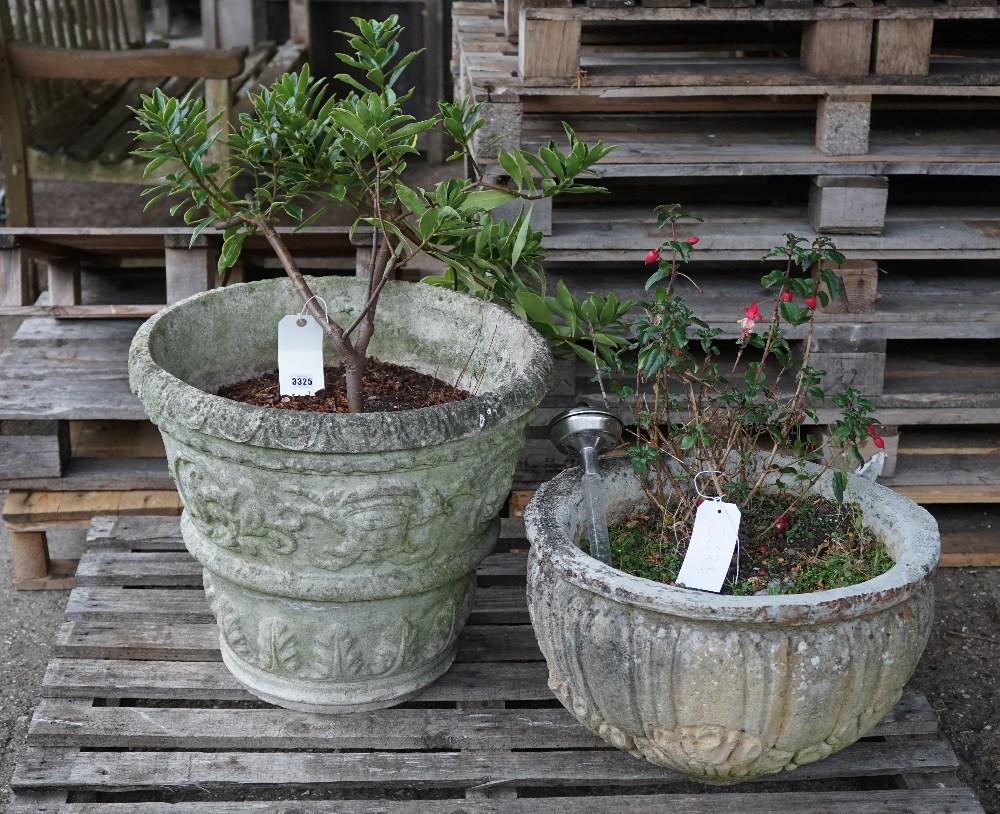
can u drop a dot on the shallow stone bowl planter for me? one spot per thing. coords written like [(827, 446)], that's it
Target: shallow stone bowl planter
[(721, 688), (339, 550)]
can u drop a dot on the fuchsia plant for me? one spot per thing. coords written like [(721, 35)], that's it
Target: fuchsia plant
[(741, 421)]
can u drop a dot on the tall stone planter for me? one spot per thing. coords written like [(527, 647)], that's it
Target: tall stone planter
[(724, 688), (339, 551)]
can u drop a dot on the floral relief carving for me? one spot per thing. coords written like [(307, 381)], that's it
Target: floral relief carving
[(226, 515), (712, 750), (378, 522), (375, 523), (708, 749)]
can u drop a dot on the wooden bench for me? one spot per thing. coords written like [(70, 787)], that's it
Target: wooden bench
[(70, 69), (138, 709)]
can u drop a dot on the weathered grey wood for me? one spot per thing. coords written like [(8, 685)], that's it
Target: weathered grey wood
[(902, 47), (99, 374), (86, 678), (161, 532), (875, 801), (15, 271), (66, 722), (837, 47), (863, 371), (176, 641), (107, 568), (64, 281), (223, 770), (100, 474), (504, 605), (35, 448), (848, 204), (189, 271)]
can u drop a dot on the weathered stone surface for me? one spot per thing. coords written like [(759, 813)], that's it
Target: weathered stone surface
[(724, 688), (340, 550)]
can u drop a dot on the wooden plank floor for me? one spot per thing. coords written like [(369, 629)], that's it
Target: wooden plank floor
[(139, 712)]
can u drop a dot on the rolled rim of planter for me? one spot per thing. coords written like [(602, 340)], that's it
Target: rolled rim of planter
[(521, 383), (554, 518)]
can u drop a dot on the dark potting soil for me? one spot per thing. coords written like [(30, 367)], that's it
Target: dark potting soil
[(388, 388)]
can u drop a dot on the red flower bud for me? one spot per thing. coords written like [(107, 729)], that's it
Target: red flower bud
[(763, 549), (780, 522), (810, 302), (870, 429), (691, 241), (786, 295), (698, 502), (878, 442), (653, 256)]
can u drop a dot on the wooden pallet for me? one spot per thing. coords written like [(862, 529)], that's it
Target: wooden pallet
[(28, 518), (63, 392), (67, 254), (676, 115), (138, 710), (844, 42)]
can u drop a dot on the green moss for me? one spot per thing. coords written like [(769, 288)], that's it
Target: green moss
[(822, 545)]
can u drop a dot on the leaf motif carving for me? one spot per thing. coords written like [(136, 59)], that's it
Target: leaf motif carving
[(338, 655), (232, 630), (276, 646), (443, 629)]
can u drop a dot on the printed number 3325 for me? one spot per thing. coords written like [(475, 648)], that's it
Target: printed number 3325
[(302, 381)]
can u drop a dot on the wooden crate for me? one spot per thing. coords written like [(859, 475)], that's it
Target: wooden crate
[(139, 711)]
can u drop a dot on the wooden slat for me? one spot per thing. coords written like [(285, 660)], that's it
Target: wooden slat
[(29, 510), (190, 641), (53, 63), (69, 723), (876, 801), (86, 678), (125, 568), (223, 770), (493, 605)]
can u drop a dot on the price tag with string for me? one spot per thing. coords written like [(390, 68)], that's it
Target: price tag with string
[(714, 538), (300, 353)]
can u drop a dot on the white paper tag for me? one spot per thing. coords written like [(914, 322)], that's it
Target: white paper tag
[(713, 540), (300, 356)]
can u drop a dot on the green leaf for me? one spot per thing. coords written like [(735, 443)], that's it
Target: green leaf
[(411, 200), (839, 485), (520, 239), (511, 167), (231, 247), (486, 199)]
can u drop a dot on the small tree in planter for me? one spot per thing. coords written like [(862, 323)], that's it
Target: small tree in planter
[(340, 550), (302, 149), (725, 688)]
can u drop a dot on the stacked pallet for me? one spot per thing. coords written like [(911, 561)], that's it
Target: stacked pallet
[(74, 441), (139, 712), (875, 122)]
